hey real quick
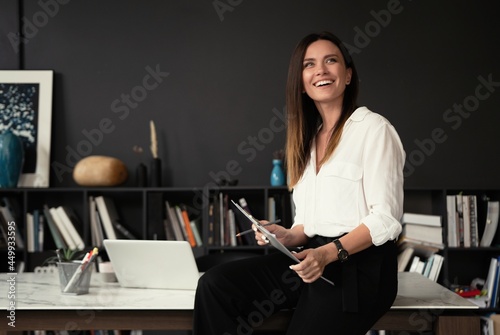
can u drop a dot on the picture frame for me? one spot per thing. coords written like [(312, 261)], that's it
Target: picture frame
[(26, 108)]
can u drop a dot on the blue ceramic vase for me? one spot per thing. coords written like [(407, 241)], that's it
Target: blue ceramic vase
[(11, 159), (277, 174)]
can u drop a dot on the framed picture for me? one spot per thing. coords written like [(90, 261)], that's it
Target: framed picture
[(26, 108)]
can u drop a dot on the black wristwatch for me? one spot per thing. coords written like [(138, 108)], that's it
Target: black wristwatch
[(342, 254)]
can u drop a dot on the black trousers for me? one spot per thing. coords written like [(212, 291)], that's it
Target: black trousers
[(234, 297)]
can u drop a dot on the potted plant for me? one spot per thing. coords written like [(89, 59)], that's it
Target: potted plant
[(64, 255)]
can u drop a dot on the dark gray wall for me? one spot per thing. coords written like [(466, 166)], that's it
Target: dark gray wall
[(10, 55), (430, 67)]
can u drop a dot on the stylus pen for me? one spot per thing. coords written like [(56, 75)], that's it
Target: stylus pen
[(251, 230)]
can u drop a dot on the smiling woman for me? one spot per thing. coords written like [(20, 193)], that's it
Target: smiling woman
[(345, 164), (319, 59)]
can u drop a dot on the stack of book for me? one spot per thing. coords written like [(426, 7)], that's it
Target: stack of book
[(420, 243), (423, 229)]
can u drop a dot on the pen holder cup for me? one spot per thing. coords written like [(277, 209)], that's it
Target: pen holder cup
[(67, 271)]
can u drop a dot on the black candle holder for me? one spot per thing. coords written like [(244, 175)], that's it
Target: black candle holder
[(155, 177), (142, 175)]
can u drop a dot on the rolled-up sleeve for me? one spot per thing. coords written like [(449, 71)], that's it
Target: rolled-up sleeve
[(383, 161)]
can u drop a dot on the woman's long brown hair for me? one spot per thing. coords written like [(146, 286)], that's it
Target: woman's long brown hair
[(303, 116)]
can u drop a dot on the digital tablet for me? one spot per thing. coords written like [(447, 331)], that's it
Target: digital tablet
[(272, 238)]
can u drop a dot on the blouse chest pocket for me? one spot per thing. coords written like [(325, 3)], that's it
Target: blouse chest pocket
[(339, 193)]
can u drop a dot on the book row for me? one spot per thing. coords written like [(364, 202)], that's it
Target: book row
[(60, 226), (59, 222), (105, 223), (463, 226), (462, 215), (228, 227), (9, 224), (430, 267), (86, 332), (420, 258), (179, 226)]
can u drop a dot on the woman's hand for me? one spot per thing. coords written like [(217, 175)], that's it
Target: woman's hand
[(279, 231), (313, 262), (293, 237)]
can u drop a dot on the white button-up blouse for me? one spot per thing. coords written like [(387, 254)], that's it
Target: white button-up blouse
[(361, 183)]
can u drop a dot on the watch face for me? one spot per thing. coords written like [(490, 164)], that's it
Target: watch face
[(343, 255)]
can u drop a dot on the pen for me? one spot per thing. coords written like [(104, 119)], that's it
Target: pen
[(251, 230)]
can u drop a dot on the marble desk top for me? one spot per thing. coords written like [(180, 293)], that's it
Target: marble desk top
[(41, 291), (418, 292)]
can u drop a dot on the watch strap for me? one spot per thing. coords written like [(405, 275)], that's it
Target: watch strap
[(342, 254)]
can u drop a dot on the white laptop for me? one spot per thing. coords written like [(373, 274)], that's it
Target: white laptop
[(153, 264)]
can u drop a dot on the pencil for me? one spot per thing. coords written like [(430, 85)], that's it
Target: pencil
[(251, 230)]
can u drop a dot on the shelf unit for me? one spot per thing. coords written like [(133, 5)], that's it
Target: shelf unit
[(461, 264), (141, 210)]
